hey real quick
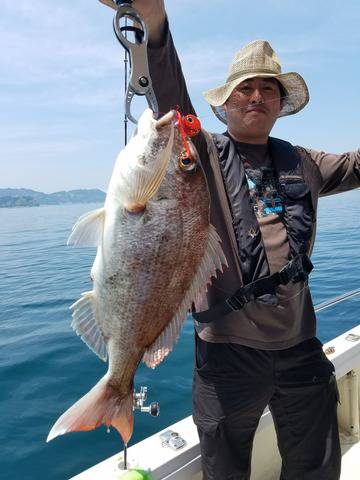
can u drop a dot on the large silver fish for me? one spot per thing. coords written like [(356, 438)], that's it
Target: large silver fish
[(156, 254)]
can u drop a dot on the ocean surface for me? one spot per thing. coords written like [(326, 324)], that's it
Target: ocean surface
[(45, 367)]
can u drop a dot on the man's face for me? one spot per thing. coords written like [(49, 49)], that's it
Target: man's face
[(253, 108)]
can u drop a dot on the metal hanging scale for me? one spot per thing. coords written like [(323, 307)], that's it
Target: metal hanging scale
[(140, 81)]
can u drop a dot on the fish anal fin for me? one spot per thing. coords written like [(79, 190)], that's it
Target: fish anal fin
[(85, 325), (88, 229), (212, 261)]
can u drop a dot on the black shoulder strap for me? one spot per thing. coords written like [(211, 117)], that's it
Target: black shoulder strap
[(247, 231), (296, 270)]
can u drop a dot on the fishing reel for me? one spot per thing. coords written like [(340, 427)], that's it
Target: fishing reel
[(153, 409), (139, 399)]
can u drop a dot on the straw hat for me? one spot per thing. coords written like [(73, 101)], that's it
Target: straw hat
[(258, 59)]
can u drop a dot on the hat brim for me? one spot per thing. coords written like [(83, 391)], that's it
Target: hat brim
[(297, 93)]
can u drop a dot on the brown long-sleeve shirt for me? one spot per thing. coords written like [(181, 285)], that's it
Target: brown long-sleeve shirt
[(293, 319)]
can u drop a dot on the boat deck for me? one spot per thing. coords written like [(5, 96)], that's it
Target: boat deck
[(185, 464)]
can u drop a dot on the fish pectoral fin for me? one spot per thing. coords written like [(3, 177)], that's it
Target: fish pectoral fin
[(88, 230), (101, 405), (212, 260), (85, 325), (139, 182)]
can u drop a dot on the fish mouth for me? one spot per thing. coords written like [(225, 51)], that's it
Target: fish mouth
[(165, 120)]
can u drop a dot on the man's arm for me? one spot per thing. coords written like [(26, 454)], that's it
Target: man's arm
[(165, 68), (339, 173)]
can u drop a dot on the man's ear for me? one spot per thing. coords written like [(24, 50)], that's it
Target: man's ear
[(282, 103)]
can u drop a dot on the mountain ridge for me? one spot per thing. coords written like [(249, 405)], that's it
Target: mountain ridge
[(26, 197)]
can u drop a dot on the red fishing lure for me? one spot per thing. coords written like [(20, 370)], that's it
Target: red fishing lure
[(189, 126)]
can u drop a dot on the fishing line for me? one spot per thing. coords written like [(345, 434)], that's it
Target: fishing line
[(238, 109), (264, 102), (126, 61), (305, 286)]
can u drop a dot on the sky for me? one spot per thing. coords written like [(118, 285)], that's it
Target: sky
[(62, 85)]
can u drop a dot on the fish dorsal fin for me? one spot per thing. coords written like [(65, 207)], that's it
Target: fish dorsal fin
[(85, 325), (88, 230), (213, 260)]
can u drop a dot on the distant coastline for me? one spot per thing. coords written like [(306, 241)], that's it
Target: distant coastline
[(25, 197)]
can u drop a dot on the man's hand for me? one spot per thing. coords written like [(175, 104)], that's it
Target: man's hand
[(153, 12), (150, 8)]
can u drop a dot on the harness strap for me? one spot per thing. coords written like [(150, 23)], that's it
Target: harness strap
[(296, 270)]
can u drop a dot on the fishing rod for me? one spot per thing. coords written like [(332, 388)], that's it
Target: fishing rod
[(139, 83), (126, 61), (337, 299), (351, 337)]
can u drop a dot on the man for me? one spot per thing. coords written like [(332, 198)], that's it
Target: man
[(256, 346)]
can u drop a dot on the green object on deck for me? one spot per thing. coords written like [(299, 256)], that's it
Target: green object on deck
[(136, 474)]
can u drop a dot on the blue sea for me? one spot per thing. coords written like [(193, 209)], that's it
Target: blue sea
[(45, 367)]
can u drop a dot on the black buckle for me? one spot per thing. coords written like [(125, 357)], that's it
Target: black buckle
[(236, 302)]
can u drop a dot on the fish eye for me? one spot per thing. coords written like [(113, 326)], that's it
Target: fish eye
[(187, 164)]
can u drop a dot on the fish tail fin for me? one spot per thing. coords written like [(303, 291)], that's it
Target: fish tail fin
[(103, 404)]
